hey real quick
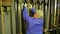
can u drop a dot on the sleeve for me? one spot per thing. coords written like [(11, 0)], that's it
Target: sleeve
[(25, 14), (42, 20)]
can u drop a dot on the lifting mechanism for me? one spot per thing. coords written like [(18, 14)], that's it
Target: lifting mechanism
[(12, 22)]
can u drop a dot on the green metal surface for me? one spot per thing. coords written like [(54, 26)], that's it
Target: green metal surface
[(13, 22), (0, 25)]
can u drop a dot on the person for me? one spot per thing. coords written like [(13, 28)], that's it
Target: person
[(35, 23)]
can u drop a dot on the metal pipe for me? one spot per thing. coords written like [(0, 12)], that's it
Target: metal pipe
[(2, 16)]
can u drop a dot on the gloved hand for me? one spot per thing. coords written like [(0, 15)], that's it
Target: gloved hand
[(29, 6), (25, 4), (45, 30)]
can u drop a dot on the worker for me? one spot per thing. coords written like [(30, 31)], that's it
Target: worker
[(35, 23)]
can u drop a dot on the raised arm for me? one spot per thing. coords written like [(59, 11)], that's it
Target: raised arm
[(25, 14)]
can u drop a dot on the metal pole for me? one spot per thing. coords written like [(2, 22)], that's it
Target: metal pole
[(2, 16), (57, 14), (13, 17), (20, 6), (55, 24), (46, 16)]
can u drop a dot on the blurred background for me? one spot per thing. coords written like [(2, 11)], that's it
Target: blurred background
[(11, 21)]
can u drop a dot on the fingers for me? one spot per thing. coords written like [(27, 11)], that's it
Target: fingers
[(28, 5)]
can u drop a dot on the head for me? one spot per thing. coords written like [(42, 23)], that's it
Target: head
[(37, 13)]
